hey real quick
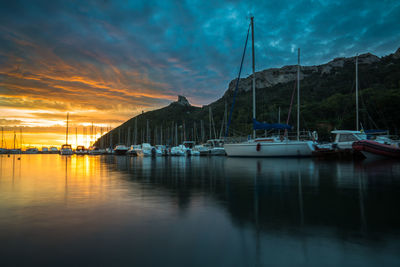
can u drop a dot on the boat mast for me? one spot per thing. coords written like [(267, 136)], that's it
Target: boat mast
[(176, 134), (66, 135), (209, 109), (91, 135), (298, 94), (357, 122), (129, 137), (147, 131), (136, 131), (161, 135), (20, 138), (202, 131), (254, 74)]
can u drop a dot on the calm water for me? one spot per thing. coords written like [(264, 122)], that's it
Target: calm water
[(108, 210)]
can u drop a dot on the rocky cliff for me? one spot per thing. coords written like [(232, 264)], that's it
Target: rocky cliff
[(270, 77)]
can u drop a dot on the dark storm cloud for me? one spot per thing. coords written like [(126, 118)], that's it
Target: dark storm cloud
[(107, 53)]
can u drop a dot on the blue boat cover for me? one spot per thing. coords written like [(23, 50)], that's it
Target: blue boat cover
[(269, 126), (375, 131)]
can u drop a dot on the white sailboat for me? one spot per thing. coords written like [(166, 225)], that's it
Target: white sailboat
[(66, 149), (271, 147)]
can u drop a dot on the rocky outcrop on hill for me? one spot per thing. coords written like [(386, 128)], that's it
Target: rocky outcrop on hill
[(182, 101), (274, 76)]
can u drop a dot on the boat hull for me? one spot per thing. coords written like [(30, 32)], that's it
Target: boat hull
[(272, 149), (120, 151), (374, 150), (66, 152)]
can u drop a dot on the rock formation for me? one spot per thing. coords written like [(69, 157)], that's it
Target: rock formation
[(273, 76)]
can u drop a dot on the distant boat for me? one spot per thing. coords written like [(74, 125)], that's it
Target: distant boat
[(45, 150), (178, 151), (93, 150), (120, 149), (135, 150), (53, 150), (31, 150), (189, 147), (80, 150), (275, 146), (162, 149), (150, 151), (344, 139), (66, 149), (216, 147)]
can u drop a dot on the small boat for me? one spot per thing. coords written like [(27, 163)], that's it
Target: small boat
[(53, 150), (66, 149), (45, 150), (189, 148), (31, 150), (178, 151), (344, 139), (216, 147), (341, 147), (150, 151), (14, 151), (109, 151), (93, 150), (120, 149), (80, 150), (162, 149), (134, 150), (203, 150), (375, 150)]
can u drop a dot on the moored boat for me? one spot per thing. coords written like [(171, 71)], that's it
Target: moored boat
[(93, 150), (66, 149), (120, 149), (53, 150), (372, 149), (344, 139), (31, 150), (134, 150), (270, 147), (80, 150), (178, 151)]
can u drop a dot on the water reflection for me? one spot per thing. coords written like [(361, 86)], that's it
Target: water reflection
[(198, 211), (276, 194)]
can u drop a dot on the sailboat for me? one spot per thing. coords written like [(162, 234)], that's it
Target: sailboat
[(275, 146), (66, 149)]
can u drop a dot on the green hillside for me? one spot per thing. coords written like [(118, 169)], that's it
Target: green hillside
[(327, 102)]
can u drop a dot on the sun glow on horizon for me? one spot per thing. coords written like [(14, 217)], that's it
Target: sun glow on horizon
[(77, 136)]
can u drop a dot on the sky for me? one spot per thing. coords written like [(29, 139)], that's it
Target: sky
[(107, 61)]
